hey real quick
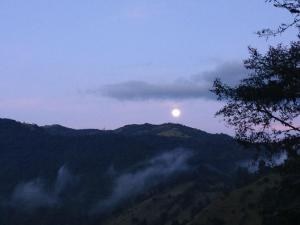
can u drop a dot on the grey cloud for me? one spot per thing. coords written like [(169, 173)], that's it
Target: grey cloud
[(230, 73), (153, 172), (196, 86), (139, 90)]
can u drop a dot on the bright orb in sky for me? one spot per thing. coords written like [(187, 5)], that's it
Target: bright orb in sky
[(176, 113)]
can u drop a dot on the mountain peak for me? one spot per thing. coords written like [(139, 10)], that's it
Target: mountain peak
[(165, 129)]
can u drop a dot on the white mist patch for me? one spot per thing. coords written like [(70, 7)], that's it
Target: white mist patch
[(155, 170), (64, 180), (33, 194), (36, 193), (276, 159)]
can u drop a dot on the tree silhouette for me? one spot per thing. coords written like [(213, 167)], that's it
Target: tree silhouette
[(264, 107)]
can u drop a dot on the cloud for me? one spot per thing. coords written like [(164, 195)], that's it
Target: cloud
[(196, 86), (139, 90), (230, 73), (36, 193), (154, 171)]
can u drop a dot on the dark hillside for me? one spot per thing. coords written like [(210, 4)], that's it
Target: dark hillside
[(76, 174)]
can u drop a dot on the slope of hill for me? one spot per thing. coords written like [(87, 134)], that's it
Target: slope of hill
[(58, 175), (242, 206), (176, 204), (273, 199)]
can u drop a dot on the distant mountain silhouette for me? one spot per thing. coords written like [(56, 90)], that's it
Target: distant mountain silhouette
[(167, 129)]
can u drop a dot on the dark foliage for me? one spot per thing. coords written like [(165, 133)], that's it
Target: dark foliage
[(281, 204), (263, 107)]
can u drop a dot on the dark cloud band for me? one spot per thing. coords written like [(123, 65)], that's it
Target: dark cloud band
[(138, 90), (196, 86)]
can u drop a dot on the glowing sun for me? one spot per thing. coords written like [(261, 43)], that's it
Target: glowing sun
[(176, 112)]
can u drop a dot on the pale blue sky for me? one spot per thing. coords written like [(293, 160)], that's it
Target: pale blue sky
[(57, 56)]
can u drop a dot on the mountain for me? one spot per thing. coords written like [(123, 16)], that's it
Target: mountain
[(193, 205), (269, 199), (168, 130), (58, 175), (65, 131)]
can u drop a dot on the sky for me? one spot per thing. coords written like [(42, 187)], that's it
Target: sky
[(104, 64)]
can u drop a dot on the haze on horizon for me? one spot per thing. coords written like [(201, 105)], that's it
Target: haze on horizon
[(100, 64)]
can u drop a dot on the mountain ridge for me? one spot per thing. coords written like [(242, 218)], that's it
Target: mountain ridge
[(57, 129), (102, 166)]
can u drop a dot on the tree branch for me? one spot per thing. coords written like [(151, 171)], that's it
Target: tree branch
[(264, 110)]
